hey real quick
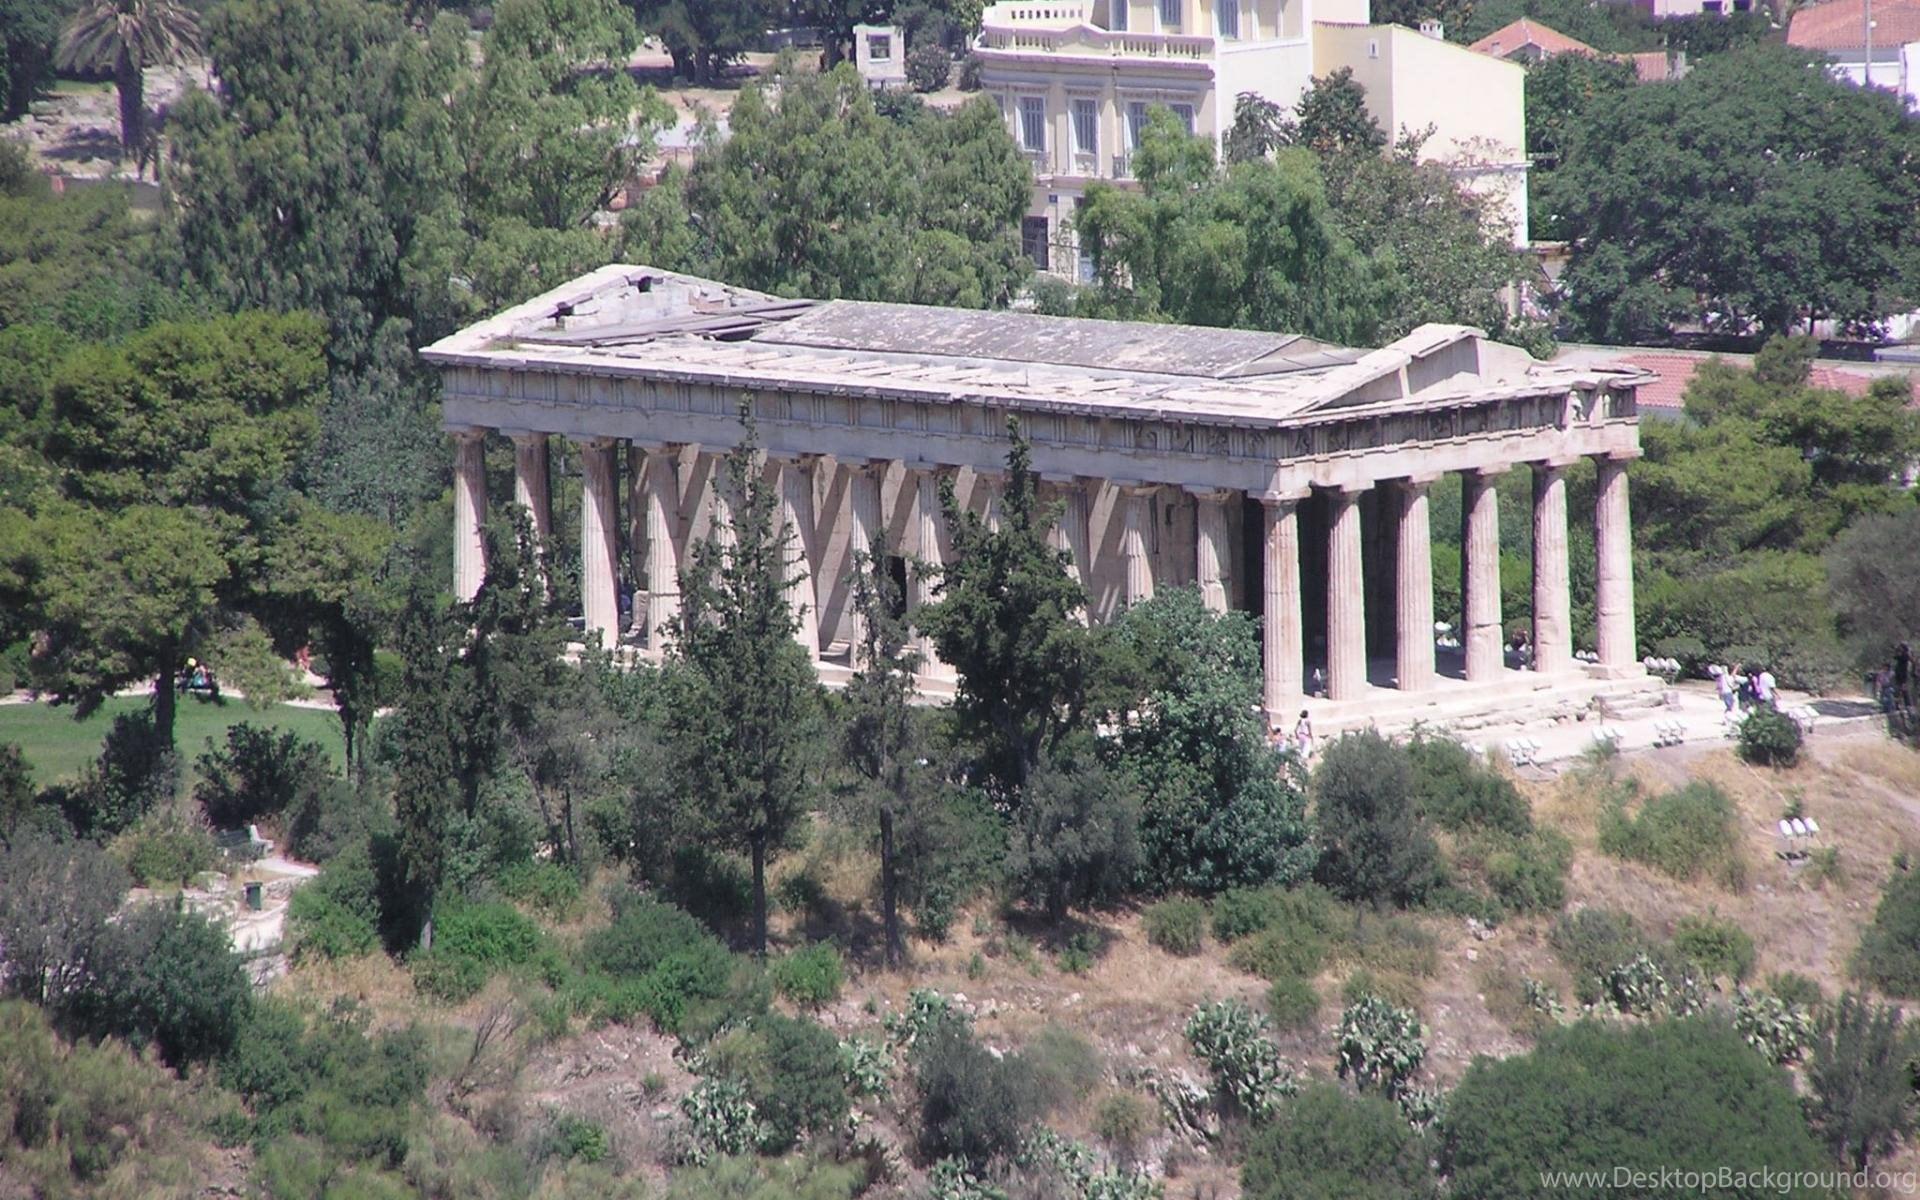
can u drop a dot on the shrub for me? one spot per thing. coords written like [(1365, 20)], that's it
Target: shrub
[(973, 1106), (1686, 833), (1327, 1143), (1244, 911), (551, 887), (1593, 1096), (1720, 948), (1374, 846), (1797, 989), (326, 821), (809, 977), (1457, 792), (1177, 925), (579, 1139), (257, 774), (168, 977), (1526, 874), (791, 1072), (665, 962), (1769, 737), (56, 899), (337, 915), (1078, 954), (324, 1078), (164, 851), (1063, 1066), (1294, 1003), (1379, 1046), (470, 942), (136, 772), (929, 67), (1776, 1028), (1860, 1075), (970, 73), (1124, 1121), (722, 1119), (1282, 952), (1233, 1041), (1593, 941), (1078, 840), (1889, 953)]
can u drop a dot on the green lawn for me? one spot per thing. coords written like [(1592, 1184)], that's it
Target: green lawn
[(57, 746)]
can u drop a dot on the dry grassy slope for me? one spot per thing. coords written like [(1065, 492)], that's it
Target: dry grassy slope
[(1864, 791)]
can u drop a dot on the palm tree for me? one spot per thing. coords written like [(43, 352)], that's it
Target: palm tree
[(127, 36)]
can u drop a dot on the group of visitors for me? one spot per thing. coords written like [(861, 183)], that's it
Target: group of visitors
[(1300, 743), (198, 680), (1743, 688)]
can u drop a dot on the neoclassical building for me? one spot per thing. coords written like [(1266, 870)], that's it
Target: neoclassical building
[(1284, 476)]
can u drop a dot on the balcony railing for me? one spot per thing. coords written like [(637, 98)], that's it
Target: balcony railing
[(1050, 26), (1062, 13)]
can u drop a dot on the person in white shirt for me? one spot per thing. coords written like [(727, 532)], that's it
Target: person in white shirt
[(1763, 688), (1723, 684), (1303, 737)]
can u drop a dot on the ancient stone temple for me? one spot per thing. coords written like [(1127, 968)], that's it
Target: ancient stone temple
[(1282, 476)]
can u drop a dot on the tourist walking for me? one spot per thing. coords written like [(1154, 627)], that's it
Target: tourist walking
[(1763, 692), (1723, 684), (1303, 736)]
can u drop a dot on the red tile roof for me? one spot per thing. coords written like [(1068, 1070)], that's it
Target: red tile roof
[(1841, 25), (1650, 66), (1516, 35), (1675, 372)]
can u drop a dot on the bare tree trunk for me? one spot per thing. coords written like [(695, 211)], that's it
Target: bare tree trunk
[(132, 86), (163, 704), (760, 896)]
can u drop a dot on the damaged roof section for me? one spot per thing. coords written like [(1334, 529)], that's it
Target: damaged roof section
[(643, 322)]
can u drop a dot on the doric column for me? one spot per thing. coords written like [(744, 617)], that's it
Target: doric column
[(1346, 598), (531, 489), (863, 481), (720, 501), (1552, 605), (1413, 584), (926, 549), (1069, 533), (1134, 514), (1480, 513), (796, 517), (661, 495), (1281, 627), (989, 489), (599, 548), (469, 512), (1613, 554), (1210, 546)]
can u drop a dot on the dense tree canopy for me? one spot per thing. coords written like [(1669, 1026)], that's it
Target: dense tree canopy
[(817, 193), (1756, 193)]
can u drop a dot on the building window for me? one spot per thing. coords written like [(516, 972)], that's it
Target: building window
[(1033, 241), (1086, 127), (1183, 113), (1033, 123), (1117, 15), (880, 47), (1227, 17), (1136, 123), (1170, 14)]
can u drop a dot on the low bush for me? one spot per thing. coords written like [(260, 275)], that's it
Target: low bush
[(1063, 1065), (328, 821), (1721, 949), (809, 977), (1769, 738), (1234, 1042), (551, 887), (337, 914), (1379, 1046), (1594, 941), (137, 772), (1244, 911), (1125, 1121), (1797, 989), (578, 1139), (1293, 1003), (1325, 1142), (1687, 833), (657, 959), (1177, 925), (973, 1105), (163, 851), (1889, 953), (472, 940), (1458, 792), (1282, 952), (259, 773), (167, 977), (791, 1072), (1375, 846)]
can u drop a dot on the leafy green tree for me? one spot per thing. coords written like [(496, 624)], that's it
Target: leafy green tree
[(704, 36), (1254, 245), (744, 693), (1005, 621), (880, 737), (1325, 1143), (817, 193), (1373, 844), (1560, 92), (29, 33), (1077, 834), (55, 901), (17, 793), (1873, 571), (1860, 1073), (1757, 192), (168, 976), (1331, 117), (79, 262), (1683, 1095), (1217, 811), (126, 37), (1259, 128)]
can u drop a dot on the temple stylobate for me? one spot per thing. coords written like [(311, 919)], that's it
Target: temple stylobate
[(1281, 475)]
